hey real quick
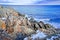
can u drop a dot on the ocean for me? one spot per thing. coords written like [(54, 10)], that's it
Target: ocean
[(46, 13)]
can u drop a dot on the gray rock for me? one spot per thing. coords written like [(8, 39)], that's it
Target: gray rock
[(42, 25)]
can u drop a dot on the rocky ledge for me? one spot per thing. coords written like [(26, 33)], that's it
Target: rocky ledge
[(16, 26)]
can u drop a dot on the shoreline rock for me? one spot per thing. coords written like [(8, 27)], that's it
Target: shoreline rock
[(14, 24)]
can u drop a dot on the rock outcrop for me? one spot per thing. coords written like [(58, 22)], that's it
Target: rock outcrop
[(15, 24)]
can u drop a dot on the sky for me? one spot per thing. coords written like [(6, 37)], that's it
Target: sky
[(30, 2)]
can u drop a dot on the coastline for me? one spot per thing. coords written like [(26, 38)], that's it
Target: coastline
[(17, 26)]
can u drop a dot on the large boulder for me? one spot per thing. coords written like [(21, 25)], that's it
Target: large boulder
[(42, 25), (36, 26), (48, 26)]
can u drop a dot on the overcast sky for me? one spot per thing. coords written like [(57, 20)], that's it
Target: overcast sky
[(30, 2)]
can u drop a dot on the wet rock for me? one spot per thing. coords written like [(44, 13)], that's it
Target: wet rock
[(48, 31), (48, 26), (56, 39), (4, 38), (57, 30), (42, 25), (20, 36), (53, 37), (32, 19), (36, 26), (4, 35)]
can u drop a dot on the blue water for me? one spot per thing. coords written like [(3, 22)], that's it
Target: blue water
[(47, 13)]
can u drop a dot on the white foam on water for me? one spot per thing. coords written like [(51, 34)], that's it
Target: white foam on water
[(54, 24), (38, 35), (47, 19), (3, 18), (26, 38), (52, 38)]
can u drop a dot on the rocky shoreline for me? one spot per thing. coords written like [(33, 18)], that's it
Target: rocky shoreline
[(15, 26)]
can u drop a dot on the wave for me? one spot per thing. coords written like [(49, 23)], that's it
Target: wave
[(44, 18), (47, 19), (55, 22)]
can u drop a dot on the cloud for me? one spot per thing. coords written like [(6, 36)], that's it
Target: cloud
[(24, 1), (30, 2), (56, 2), (21, 1)]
